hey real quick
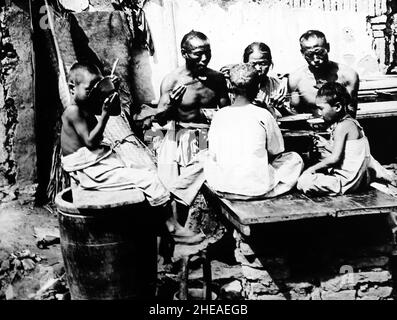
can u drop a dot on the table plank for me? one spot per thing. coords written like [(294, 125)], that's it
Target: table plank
[(380, 109), (297, 206)]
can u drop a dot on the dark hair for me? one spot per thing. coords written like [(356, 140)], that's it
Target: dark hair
[(260, 46), (312, 34), (192, 35), (244, 79), (78, 67), (334, 93)]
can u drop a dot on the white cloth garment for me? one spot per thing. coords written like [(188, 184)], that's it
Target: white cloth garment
[(180, 159), (241, 140), (103, 170), (347, 176)]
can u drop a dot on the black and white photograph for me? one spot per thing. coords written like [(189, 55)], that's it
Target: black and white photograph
[(198, 154)]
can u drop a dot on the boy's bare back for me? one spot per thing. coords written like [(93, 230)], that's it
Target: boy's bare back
[(74, 119), (349, 129), (80, 128)]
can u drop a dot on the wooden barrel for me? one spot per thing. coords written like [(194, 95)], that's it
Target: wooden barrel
[(109, 253)]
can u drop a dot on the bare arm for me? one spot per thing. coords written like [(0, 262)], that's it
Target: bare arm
[(169, 99), (352, 86), (91, 138), (292, 86), (340, 137), (223, 92), (278, 101)]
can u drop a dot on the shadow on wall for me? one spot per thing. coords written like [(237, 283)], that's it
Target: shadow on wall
[(108, 36)]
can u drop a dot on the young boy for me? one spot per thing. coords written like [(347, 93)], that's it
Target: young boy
[(246, 149), (346, 167), (94, 165)]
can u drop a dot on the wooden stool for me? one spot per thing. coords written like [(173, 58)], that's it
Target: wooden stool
[(207, 276)]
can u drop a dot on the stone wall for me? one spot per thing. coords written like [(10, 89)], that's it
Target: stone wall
[(347, 259), (17, 138)]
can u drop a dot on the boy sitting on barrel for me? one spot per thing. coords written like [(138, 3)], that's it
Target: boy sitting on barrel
[(92, 163)]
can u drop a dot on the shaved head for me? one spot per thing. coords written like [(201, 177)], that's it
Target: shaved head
[(80, 71), (312, 34), (245, 79), (191, 39)]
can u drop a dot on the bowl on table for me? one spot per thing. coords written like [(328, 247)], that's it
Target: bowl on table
[(296, 121), (317, 123)]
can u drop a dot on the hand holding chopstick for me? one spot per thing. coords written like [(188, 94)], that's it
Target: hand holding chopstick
[(177, 93)]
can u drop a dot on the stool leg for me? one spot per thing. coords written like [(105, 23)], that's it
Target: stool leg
[(207, 276), (184, 279)]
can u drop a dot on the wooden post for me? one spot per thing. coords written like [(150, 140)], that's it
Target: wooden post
[(170, 32), (183, 288), (207, 276)]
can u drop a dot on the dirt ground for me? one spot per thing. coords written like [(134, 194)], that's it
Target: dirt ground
[(28, 272), (24, 267)]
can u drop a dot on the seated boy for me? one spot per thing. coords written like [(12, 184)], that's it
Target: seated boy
[(348, 165), (93, 164), (246, 159)]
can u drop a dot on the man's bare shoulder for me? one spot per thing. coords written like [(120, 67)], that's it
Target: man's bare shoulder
[(217, 77), (347, 72), (171, 79), (215, 74), (295, 76), (173, 75)]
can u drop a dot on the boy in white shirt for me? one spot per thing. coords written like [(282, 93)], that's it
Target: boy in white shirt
[(246, 148)]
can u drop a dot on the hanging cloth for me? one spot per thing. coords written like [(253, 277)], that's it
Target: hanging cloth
[(137, 22), (75, 5)]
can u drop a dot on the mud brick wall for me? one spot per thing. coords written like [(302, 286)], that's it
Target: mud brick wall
[(17, 138), (346, 259)]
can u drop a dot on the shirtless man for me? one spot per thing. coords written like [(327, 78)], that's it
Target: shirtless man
[(192, 86), (185, 94), (304, 83)]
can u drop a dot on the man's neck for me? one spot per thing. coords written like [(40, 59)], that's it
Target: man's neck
[(240, 101), (195, 73), (323, 71), (264, 79)]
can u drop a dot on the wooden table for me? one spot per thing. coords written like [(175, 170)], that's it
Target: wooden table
[(297, 206), (379, 109)]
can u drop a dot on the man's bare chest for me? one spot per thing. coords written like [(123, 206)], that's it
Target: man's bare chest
[(308, 86), (198, 95)]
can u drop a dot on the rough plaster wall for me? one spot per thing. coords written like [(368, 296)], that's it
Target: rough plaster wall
[(17, 139), (232, 24), (143, 90)]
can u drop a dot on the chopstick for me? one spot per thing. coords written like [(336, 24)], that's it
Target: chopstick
[(114, 66)]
